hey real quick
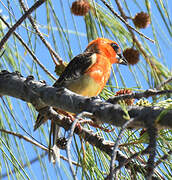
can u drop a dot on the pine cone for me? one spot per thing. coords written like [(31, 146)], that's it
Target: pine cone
[(141, 20), (61, 143), (80, 7), (125, 91), (131, 55)]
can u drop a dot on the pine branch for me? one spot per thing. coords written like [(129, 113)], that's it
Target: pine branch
[(17, 24), (41, 96), (123, 19), (146, 94), (28, 49), (46, 43)]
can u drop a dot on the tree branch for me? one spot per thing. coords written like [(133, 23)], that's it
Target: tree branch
[(164, 82), (146, 94), (41, 95)]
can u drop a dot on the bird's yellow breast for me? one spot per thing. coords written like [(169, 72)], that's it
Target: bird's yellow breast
[(94, 79), (85, 86)]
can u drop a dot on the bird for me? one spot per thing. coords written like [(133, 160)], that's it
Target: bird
[(87, 73)]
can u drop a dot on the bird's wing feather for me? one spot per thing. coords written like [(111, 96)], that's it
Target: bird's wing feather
[(75, 69)]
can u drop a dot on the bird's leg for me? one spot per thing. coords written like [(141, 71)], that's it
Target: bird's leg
[(93, 124), (65, 113), (71, 117), (101, 128)]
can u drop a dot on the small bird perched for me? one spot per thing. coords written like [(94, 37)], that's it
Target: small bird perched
[(88, 72)]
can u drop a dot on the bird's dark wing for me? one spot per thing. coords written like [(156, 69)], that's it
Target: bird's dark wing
[(76, 67)]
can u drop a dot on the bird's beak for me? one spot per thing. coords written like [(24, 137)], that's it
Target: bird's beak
[(121, 59)]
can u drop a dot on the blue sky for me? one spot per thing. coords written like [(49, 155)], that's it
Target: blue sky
[(78, 44)]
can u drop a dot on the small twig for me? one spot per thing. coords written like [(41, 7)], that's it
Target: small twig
[(135, 155), (70, 140), (113, 157), (52, 52), (164, 82), (146, 94), (121, 11), (29, 50), (20, 125), (163, 158), (125, 22), (13, 28), (36, 143), (68, 146), (2, 53)]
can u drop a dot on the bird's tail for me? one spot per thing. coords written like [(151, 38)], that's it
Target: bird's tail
[(41, 119), (54, 152)]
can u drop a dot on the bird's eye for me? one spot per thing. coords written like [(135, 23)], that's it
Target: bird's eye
[(115, 47)]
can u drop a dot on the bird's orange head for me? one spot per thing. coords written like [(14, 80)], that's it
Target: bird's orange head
[(107, 48)]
